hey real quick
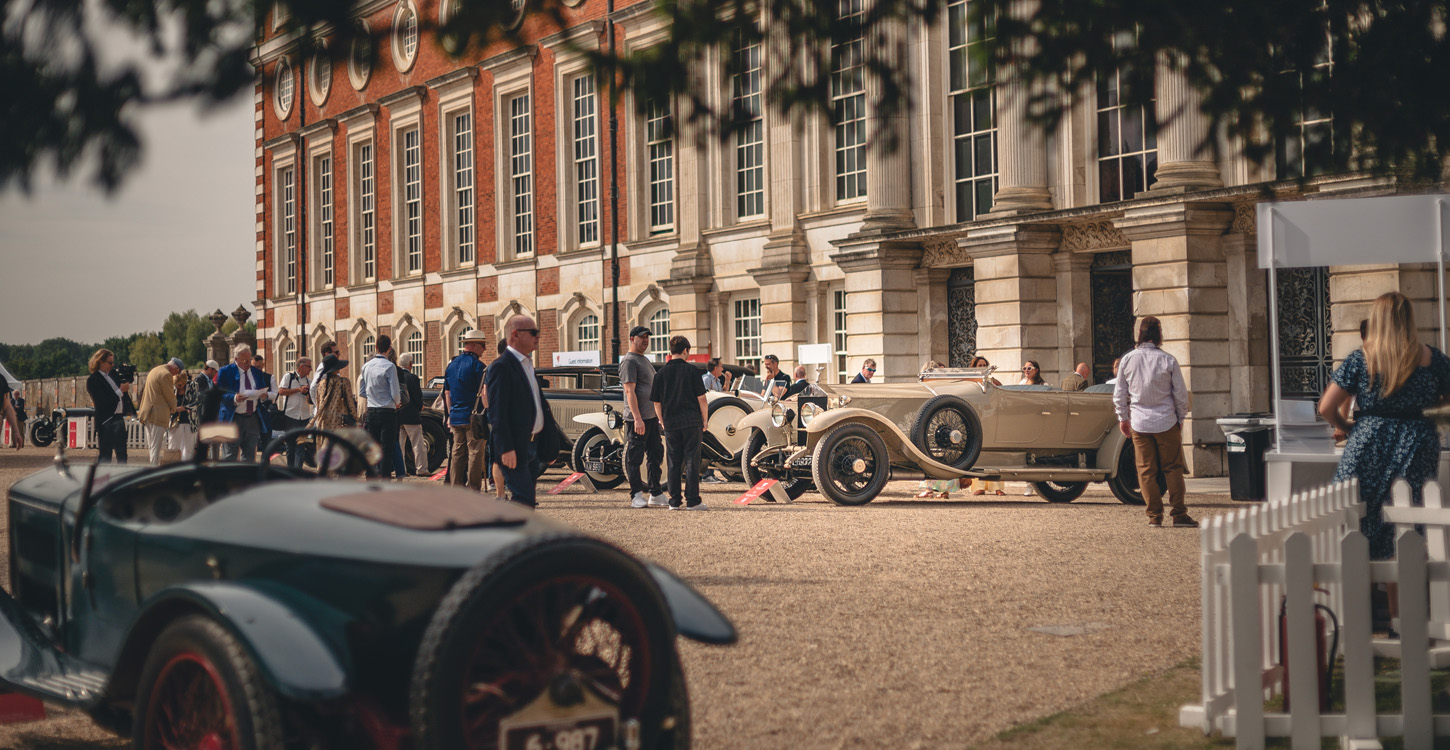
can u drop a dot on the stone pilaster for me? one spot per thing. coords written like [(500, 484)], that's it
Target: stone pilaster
[(1183, 129), (1021, 145), (931, 300), (882, 319), (1248, 317), (1179, 275), (782, 310), (1353, 289), (1016, 294), (1074, 306), (888, 155), (691, 279)]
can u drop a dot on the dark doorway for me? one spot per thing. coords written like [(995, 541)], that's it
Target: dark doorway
[(961, 317), (1305, 356), (1112, 300)]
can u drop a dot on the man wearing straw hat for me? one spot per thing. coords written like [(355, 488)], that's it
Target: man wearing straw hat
[(158, 403), (462, 391)]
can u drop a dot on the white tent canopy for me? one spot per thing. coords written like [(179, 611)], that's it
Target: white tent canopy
[(1350, 232)]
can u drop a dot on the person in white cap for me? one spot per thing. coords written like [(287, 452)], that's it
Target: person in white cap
[(158, 403)]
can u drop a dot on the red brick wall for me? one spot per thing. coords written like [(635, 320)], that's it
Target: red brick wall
[(433, 296), (489, 352), (549, 280), (548, 335), (344, 309), (432, 350), (385, 303), (488, 289)]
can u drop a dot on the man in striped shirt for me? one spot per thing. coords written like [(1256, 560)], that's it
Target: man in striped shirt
[(1151, 402)]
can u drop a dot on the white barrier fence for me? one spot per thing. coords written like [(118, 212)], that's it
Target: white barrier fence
[(135, 432), (1266, 568)]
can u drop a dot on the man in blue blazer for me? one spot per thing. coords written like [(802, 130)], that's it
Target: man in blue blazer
[(517, 413), (243, 387)]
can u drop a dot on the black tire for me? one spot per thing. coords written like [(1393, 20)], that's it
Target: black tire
[(42, 433), (798, 485), (594, 436), (1125, 485), (193, 658), (614, 631), (948, 430), (1060, 492), (834, 467)]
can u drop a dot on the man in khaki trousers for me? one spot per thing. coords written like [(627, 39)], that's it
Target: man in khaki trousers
[(463, 383), (1151, 402), (158, 403)]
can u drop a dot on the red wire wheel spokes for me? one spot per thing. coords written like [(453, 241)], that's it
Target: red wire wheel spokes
[(578, 627), (189, 709)]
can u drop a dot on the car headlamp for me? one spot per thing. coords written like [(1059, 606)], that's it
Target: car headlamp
[(777, 415), (615, 420), (842, 400), (809, 411)]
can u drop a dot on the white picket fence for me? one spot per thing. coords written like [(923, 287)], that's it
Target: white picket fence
[(1283, 551)]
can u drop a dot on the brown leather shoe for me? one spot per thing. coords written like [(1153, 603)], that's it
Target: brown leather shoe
[(1155, 522), (1184, 522)]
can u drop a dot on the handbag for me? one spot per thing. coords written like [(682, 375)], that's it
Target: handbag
[(478, 420)]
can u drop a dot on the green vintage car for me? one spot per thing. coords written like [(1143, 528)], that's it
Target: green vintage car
[(231, 605)]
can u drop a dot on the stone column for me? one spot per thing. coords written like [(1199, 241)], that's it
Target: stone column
[(1021, 146), (888, 154), (216, 344), (690, 311), (1074, 305), (1183, 129), (1248, 316), (882, 318), (931, 300), (1016, 293), (1179, 275)]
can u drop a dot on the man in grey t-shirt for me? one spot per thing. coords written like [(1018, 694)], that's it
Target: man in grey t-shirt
[(637, 376)]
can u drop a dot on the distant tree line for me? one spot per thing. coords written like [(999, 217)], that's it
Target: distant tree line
[(183, 334)]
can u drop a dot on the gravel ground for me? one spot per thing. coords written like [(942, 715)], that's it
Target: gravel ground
[(904, 623)]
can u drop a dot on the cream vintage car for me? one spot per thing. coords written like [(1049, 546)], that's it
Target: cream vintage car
[(950, 424)]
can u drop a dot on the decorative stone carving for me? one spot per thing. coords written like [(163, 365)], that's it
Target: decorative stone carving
[(1246, 219), (1093, 236), (944, 252)]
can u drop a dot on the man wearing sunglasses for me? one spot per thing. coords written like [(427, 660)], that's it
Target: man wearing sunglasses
[(868, 368), (516, 412)]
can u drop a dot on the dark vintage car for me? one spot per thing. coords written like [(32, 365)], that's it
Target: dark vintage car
[(230, 605)]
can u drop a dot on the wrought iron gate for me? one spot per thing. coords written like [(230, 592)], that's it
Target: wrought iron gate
[(1112, 300), (961, 317), (1306, 359)]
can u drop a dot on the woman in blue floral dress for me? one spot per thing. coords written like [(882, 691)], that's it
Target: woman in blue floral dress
[(1394, 378)]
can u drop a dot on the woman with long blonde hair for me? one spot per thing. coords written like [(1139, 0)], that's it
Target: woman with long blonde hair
[(1393, 378)]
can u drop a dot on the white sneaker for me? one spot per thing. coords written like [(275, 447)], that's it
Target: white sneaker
[(659, 501), (701, 506), (638, 501)]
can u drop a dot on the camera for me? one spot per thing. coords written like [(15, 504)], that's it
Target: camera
[(125, 373)]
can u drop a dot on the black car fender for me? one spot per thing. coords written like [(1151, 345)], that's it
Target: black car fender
[(293, 657), (695, 617)]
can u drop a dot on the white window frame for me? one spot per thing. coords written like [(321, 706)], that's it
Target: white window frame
[(965, 141), (322, 217), (590, 340), (746, 339), (284, 161), (364, 344), (518, 172), (658, 323), (840, 336), (1149, 119), (320, 61), (287, 356), (405, 119), (407, 36), (284, 88), (410, 337), (513, 76), (359, 73), (659, 163), (1298, 166), (747, 154), (362, 207), (583, 160), (848, 101), (458, 170)]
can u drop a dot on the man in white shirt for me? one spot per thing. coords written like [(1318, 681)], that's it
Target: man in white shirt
[(295, 406), (1151, 402), (378, 384)]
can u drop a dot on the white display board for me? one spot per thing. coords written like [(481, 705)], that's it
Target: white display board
[(577, 359), (1354, 231), (813, 354)]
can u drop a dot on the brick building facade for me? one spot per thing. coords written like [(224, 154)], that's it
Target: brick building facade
[(441, 194)]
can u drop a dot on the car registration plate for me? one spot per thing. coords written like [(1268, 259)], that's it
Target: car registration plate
[(596, 733), (804, 462), (596, 467)]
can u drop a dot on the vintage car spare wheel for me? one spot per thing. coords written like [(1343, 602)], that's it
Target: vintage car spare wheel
[(799, 481), (609, 635), (592, 446), (724, 422), (850, 465), (1059, 492), (200, 689), (947, 429), (42, 433), (1125, 485)]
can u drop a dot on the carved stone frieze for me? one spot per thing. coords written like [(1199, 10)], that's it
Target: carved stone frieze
[(1093, 236), (1246, 219), (944, 252)]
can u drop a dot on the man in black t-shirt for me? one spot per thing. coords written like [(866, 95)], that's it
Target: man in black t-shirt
[(678, 394)]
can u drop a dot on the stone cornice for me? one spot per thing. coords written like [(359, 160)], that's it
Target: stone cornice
[(1175, 220), (356, 117), (327, 128), (408, 97), (452, 79), (285, 140), (1011, 239), (578, 36), (515, 55), (879, 255)]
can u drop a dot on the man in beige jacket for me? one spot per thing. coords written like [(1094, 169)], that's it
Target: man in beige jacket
[(158, 403)]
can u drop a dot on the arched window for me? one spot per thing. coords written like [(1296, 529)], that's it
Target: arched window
[(365, 347), (415, 348), (288, 357), (586, 333), (659, 335)]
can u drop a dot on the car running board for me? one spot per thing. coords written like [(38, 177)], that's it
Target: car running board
[(1036, 474), (31, 664)]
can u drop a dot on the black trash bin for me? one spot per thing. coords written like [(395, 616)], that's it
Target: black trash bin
[(1248, 437)]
